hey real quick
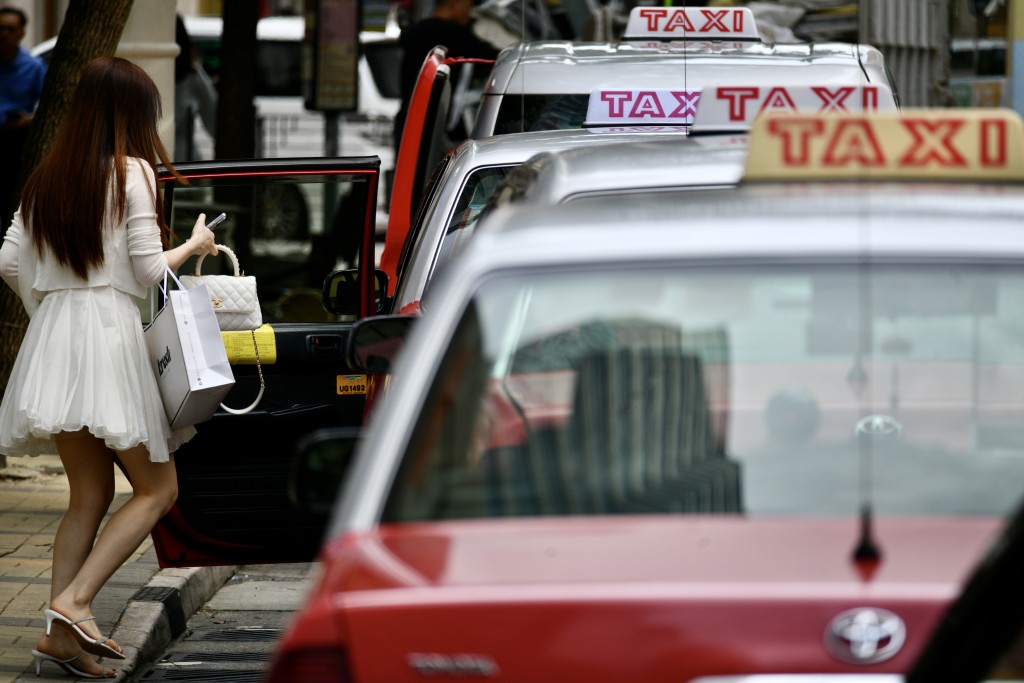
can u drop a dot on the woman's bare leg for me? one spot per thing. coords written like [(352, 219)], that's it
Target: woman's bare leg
[(89, 465), (154, 490), (90, 469)]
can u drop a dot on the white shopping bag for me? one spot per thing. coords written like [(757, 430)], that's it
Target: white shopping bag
[(188, 356)]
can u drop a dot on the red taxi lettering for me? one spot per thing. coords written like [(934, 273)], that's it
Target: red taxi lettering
[(713, 21), (678, 20), (993, 143), (779, 99), (663, 20), (738, 98), (616, 100), (971, 145), (687, 104), (648, 104), (870, 98), (652, 16), (796, 138), (853, 141), (933, 142), (834, 101)]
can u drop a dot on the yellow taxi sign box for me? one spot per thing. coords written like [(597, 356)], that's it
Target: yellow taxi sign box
[(691, 23), (926, 144)]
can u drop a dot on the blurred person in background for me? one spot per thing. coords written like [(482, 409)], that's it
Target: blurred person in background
[(21, 84), (194, 93), (449, 25)]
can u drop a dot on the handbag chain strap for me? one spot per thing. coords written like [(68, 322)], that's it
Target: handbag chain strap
[(259, 365), (263, 386)]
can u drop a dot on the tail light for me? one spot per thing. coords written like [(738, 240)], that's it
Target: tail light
[(310, 666)]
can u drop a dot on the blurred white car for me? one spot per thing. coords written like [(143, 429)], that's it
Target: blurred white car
[(288, 129)]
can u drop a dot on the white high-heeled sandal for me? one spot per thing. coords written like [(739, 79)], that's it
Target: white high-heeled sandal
[(91, 645), (65, 664)]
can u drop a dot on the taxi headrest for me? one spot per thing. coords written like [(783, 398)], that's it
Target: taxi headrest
[(729, 108), (922, 144), (691, 23)]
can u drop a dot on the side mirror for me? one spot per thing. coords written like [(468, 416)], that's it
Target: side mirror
[(374, 343), (319, 467), (340, 293)]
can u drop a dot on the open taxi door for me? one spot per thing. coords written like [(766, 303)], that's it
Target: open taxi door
[(424, 143), (291, 222)]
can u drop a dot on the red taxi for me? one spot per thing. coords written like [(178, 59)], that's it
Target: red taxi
[(768, 430)]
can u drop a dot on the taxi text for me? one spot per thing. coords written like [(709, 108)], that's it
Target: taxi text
[(919, 144)]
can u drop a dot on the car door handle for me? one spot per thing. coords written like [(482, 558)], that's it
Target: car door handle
[(324, 345)]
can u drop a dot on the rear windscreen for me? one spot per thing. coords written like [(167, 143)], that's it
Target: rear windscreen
[(522, 113)]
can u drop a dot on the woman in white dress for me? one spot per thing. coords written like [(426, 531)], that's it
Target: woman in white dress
[(87, 240)]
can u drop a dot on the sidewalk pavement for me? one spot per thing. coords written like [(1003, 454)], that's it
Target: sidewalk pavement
[(142, 607)]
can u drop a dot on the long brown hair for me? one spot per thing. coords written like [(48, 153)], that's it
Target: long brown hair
[(113, 115)]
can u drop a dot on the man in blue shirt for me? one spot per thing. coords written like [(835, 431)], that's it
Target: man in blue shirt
[(21, 83)]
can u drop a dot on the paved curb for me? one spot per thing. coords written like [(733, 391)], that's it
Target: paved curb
[(159, 613)]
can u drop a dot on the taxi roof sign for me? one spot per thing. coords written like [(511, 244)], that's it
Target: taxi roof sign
[(923, 144), (620, 107), (735, 107), (729, 108), (691, 23)]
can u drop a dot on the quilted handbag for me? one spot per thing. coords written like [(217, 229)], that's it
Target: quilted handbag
[(233, 296), (236, 306)]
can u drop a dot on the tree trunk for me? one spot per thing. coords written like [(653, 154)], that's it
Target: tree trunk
[(92, 28)]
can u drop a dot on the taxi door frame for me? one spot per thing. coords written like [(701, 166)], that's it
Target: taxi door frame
[(423, 145), (181, 541)]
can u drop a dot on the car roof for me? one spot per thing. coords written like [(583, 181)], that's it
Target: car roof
[(515, 148), (555, 67), (771, 220), (637, 163), (474, 155)]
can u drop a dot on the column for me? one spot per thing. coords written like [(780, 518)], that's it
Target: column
[(148, 40)]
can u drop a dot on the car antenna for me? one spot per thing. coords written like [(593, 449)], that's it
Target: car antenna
[(856, 43), (867, 556), (686, 52)]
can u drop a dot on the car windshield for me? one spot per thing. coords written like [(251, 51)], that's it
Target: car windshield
[(522, 113), (432, 250), (479, 187), (774, 390)]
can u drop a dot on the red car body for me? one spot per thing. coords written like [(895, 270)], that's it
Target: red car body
[(613, 599)]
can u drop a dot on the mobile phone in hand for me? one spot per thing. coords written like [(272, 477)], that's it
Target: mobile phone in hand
[(216, 221)]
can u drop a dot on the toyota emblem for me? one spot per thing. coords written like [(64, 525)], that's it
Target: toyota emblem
[(865, 635), (878, 425)]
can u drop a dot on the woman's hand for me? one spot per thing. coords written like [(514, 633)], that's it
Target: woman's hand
[(202, 240)]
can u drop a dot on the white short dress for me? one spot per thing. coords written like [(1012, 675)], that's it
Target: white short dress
[(83, 360)]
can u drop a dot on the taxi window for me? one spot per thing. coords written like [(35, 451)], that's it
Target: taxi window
[(521, 113), (768, 391), (476, 191), (479, 187), (288, 230)]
